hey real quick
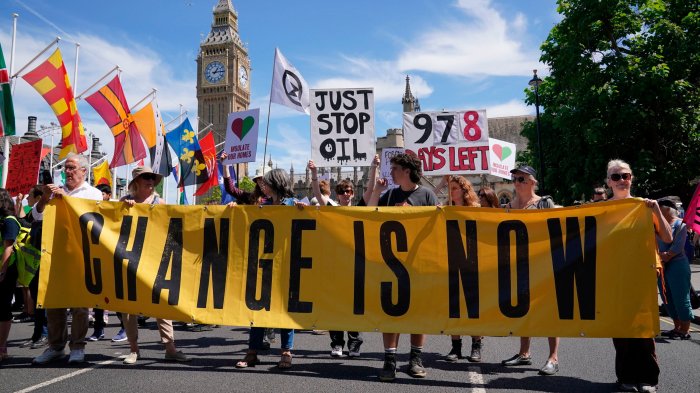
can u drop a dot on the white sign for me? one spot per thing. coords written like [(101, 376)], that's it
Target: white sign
[(448, 142), (502, 158), (342, 127), (385, 165), (242, 136)]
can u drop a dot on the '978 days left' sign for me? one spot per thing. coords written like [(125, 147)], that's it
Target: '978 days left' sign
[(342, 127)]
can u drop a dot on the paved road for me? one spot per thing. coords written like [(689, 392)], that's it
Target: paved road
[(586, 366)]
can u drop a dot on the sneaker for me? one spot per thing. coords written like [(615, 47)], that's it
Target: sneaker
[(549, 368), (388, 373), (455, 353), (354, 349), (98, 334), (269, 335), (337, 351), (415, 367), (40, 343), (680, 336), (76, 356), (668, 333), (48, 356), (176, 357), (645, 387), (627, 387), (131, 358), (475, 355), (26, 344), (23, 317), (319, 332), (517, 360), (121, 336)]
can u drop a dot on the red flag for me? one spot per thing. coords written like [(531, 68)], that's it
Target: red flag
[(110, 103), (692, 214), (209, 152), (51, 81)]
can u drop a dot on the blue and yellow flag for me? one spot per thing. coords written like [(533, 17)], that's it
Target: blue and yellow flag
[(183, 140)]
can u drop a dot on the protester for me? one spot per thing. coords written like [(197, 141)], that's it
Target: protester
[(9, 229), (75, 170), (278, 188), (242, 197), (142, 189), (488, 198), (676, 277), (406, 171), (345, 191), (636, 365), (599, 194), (525, 181)]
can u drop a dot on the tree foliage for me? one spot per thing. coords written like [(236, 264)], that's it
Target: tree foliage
[(246, 184), (624, 83)]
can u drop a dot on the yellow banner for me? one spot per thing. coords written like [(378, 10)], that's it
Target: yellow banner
[(577, 272)]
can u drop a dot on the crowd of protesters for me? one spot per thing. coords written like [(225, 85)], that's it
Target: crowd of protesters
[(636, 364)]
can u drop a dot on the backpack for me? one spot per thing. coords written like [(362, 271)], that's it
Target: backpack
[(26, 255)]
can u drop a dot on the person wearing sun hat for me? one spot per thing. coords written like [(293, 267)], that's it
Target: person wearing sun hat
[(142, 190), (676, 277)]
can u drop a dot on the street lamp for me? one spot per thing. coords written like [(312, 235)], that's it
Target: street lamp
[(536, 82)]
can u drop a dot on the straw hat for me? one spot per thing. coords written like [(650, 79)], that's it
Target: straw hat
[(141, 171)]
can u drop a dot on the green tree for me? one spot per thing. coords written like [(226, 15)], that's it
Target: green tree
[(624, 83), (246, 184)]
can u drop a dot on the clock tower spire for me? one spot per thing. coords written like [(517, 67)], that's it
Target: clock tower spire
[(223, 72)]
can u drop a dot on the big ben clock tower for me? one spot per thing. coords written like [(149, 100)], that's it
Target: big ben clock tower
[(223, 72)]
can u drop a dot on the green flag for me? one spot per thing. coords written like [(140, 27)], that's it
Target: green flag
[(7, 111)]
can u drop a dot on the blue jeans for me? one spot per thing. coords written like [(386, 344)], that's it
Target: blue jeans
[(677, 277), (255, 339)]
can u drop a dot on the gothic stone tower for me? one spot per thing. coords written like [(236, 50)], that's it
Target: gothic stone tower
[(223, 74)]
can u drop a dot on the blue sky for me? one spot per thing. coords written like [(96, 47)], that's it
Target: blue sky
[(460, 54)]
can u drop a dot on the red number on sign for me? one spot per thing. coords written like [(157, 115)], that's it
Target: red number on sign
[(472, 132)]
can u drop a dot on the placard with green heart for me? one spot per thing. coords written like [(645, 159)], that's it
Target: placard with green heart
[(502, 152), (240, 127)]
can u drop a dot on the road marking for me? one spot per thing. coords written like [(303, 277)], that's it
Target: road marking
[(475, 378), (64, 377), (670, 322)]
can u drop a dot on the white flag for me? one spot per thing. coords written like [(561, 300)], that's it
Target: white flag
[(288, 86)]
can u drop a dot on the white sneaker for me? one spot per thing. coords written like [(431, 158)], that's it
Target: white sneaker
[(337, 351), (48, 356), (131, 358), (645, 387), (76, 356)]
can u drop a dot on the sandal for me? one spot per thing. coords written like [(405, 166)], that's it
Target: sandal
[(250, 360), (286, 361)]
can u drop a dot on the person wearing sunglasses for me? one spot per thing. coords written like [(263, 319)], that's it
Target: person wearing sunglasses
[(599, 194), (488, 198), (636, 365), (142, 189), (525, 181)]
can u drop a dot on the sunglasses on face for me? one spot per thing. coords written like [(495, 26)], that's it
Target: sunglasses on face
[(519, 179), (347, 191), (148, 176), (618, 176)]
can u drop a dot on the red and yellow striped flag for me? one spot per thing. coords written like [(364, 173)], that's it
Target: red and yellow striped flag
[(101, 174), (51, 81), (110, 103)]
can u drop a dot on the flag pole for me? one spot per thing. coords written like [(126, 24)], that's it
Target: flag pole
[(269, 106), (54, 42), (152, 93), (204, 129), (177, 118), (75, 71), (116, 68), (12, 50)]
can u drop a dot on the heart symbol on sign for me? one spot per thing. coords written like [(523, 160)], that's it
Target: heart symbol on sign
[(502, 152), (240, 127)]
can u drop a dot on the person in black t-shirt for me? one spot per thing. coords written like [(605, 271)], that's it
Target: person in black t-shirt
[(405, 172), (9, 229)]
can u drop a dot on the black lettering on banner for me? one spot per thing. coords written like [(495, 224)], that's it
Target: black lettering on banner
[(360, 260), (255, 263), (94, 287), (133, 257), (575, 263), (323, 118), (214, 263), (172, 257), (322, 105), (296, 263), (328, 149), (463, 265), (349, 96), (522, 269), (422, 121), (365, 94), (403, 300)]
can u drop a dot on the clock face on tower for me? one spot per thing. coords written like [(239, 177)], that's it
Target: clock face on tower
[(243, 76), (214, 72)]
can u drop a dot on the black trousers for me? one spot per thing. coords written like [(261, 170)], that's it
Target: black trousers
[(635, 361), (338, 338)]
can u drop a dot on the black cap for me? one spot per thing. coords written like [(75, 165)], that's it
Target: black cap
[(525, 169), (666, 201)]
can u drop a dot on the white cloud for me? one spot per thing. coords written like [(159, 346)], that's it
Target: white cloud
[(480, 46), (510, 108)]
